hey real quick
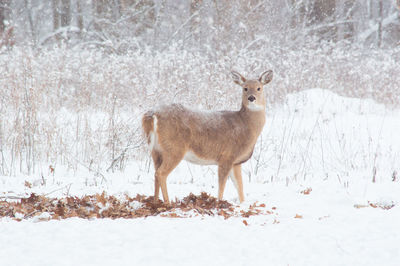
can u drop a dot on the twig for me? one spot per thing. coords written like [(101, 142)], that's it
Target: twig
[(377, 148), (30, 214), (181, 27), (374, 175), (97, 173), (58, 189), (122, 155), (190, 171)]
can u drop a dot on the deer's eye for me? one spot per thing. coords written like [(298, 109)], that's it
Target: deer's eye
[(258, 89), (245, 89)]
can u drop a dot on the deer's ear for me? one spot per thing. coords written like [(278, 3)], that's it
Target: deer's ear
[(237, 78), (266, 77)]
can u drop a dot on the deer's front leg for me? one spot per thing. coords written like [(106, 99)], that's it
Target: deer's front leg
[(223, 172), (237, 175)]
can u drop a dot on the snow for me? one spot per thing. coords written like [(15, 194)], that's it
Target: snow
[(331, 232), (316, 139)]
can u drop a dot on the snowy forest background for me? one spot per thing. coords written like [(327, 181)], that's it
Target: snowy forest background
[(208, 26), (75, 76)]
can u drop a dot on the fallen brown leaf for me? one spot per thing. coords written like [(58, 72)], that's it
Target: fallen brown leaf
[(103, 206), (307, 191), (27, 184)]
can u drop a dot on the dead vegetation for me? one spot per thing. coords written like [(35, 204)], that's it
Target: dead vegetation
[(379, 205), (43, 208), (104, 206)]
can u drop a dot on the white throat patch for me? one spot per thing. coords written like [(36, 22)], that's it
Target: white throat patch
[(255, 107)]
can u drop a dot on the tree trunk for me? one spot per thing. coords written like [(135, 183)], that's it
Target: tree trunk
[(345, 12), (98, 7), (28, 8), (79, 17), (380, 10), (157, 24), (4, 12), (370, 8), (66, 13), (195, 22), (56, 14)]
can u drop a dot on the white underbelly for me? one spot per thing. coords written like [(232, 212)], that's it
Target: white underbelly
[(191, 157)]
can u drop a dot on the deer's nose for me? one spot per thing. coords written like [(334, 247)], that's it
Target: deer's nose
[(251, 98)]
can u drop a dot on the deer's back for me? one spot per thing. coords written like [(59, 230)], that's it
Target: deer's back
[(213, 136)]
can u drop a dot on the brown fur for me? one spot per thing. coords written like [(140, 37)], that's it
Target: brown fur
[(147, 124), (225, 138)]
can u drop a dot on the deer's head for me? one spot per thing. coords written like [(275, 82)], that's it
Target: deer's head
[(253, 93)]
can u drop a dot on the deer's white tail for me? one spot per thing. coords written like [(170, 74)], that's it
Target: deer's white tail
[(149, 124)]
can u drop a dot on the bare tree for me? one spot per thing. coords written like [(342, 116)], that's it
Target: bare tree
[(225, 25), (344, 21), (32, 29), (195, 22), (6, 30), (4, 14), (65, 13), (98, 8), (79, 15), (380, 19), (55, 4)]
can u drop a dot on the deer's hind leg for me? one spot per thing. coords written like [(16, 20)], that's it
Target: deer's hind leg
[(168, 163), (157, 160)]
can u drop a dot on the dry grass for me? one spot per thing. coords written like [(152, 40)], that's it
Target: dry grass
[(82, 107)]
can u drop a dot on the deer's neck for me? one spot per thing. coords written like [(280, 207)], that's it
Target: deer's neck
[(254, 120)]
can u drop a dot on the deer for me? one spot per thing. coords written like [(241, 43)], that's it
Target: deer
[(223, 138)]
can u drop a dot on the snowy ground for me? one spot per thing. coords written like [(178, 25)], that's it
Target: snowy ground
[(316, 140)]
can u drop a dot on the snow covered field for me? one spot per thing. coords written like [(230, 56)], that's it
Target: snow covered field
[(326, 168)]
